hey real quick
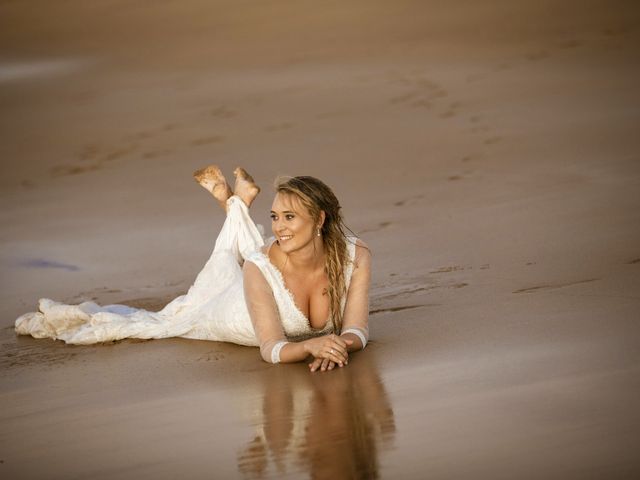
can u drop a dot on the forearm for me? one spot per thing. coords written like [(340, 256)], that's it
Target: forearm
[(331, 347), (294, 352)]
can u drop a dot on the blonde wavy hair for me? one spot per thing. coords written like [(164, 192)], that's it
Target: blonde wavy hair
[(317, 197)]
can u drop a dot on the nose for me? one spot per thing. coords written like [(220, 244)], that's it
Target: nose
[(277, 225)]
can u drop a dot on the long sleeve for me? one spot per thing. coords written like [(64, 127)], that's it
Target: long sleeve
[(264, 313), (356, 312)]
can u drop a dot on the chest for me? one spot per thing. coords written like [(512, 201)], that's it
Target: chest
[(310, 296)]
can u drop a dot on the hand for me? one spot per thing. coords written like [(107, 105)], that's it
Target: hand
[(330, 347), (322, 364)]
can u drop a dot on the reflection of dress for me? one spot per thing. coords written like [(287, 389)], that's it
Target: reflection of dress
[(214, 308)]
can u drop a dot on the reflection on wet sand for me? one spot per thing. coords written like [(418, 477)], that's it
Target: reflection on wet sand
[(330, 424)]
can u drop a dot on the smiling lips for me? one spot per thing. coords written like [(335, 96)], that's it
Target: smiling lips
[(284, 238)]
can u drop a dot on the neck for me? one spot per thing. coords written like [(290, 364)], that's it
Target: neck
[(308, 258)]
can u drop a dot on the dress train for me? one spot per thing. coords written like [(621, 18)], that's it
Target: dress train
[(213, 309)]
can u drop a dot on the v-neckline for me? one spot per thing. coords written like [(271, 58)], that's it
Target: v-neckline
[(280, 277)]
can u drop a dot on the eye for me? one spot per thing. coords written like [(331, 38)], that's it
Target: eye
[(273, 217), (289, 216)]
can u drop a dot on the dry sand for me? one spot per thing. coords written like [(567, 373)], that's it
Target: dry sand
[(487, 151)]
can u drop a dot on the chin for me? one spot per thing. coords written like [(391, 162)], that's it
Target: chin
[(291, 245), (287, 246)]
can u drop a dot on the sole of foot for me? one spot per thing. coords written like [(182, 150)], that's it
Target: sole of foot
[(245, 186), (212, 180)]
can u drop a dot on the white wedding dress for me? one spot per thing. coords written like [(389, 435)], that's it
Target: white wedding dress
[(214, 308)]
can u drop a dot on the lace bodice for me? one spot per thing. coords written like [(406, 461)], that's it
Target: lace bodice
[(295, 324)]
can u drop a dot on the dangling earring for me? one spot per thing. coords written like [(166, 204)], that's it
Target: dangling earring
[(318, 234)]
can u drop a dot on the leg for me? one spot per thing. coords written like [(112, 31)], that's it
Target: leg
[(238, 238), (239, 235)]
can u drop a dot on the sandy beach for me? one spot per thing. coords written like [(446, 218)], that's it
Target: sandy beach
[(488, 153)]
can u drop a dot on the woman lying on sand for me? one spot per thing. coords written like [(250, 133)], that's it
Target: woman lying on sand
[(305, 292)]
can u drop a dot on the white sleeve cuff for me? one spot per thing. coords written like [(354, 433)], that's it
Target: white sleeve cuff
[(275, 352), (359, 334)]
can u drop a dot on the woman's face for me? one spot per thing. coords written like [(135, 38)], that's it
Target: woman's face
[(291, 223)]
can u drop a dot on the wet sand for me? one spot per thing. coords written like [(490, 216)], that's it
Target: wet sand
[(488, 154)]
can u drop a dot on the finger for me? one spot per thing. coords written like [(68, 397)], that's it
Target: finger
[(335, 357), (336, 346), (331, 365), (333, 342), (325, 364), (340, 346), (341, 341), (315, 364), (337, 339), (342, 351)]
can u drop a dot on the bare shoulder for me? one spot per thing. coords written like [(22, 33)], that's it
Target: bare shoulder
[(267, 246), (361, 245), (362, 255)]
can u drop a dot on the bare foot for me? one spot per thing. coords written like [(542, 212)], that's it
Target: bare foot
[(213, 181), (245, 187)]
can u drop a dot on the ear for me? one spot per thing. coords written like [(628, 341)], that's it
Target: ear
[(321, 219)]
